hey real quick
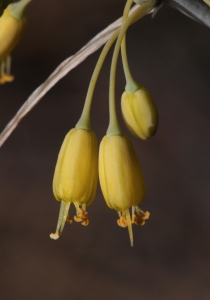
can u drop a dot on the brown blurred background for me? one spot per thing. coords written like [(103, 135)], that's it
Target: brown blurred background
[(170, 260)]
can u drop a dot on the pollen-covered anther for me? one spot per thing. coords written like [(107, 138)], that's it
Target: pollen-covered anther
[(140, 216), (137, 220), (145, 215), (55, 236), (2, 81), (122, 222), (82, 217), (6, 78), (68, 220)]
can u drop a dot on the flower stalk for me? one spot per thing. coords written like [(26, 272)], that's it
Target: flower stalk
[(114, 128)]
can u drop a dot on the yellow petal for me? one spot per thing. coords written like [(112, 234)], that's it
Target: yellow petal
[(140, 113), (120, 175), (11, 30), (76, 173)]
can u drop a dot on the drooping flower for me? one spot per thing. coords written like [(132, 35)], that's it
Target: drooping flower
[(12, 25), (140, 113), (121, 180), (76, 176)]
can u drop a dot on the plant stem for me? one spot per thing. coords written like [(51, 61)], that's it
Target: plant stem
[(131, 84), (84, 121)]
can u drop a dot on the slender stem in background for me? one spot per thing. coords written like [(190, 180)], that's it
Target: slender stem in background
[(114, 128), (84, 121)]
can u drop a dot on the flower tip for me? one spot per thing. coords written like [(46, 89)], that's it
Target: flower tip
[(55, 236), (140, 113)]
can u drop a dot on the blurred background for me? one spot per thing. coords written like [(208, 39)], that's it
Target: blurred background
[(168, 54)]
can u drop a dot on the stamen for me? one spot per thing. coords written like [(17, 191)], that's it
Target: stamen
[(55, 236), (68, 220), (144, 215), (138, 220), (141, 216), (81, 215), (84, 207), (128, 219), (8, 64), (5, 71), (8, 78), (64, 209), (133, 211), (2, 66), (122, 222)]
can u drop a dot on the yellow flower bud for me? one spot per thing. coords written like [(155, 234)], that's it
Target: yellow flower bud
[(76, 176), (12, 26), (140, 113), (121, 180)]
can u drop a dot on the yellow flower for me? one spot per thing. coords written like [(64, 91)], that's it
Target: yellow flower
[(121, 180), (12, 26), (140, 113), (76, 176)]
